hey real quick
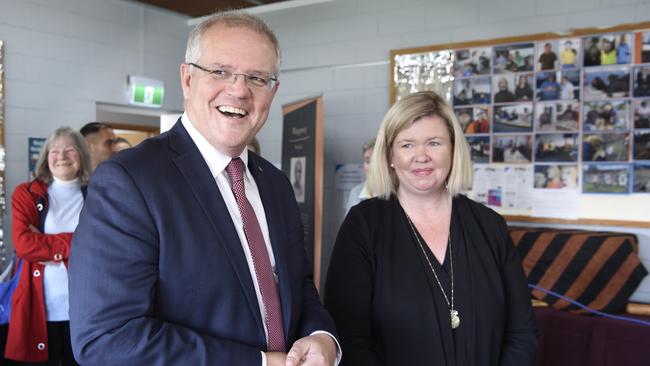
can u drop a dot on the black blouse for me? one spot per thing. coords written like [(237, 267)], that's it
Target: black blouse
[(389, 308)]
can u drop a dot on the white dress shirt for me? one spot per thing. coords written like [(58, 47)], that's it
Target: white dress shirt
[(217, 163)]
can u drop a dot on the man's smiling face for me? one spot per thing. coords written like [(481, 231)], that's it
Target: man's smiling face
[(228, 113)]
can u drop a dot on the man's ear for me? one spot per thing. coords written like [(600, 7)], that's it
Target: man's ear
[(90, 142), (186, 79)]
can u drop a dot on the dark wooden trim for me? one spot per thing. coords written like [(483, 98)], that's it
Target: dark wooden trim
[(595, 222)]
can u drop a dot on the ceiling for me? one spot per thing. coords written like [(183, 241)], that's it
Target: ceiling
[(199, 8)]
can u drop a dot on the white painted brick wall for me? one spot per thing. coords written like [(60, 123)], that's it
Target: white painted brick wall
[(63, 56)]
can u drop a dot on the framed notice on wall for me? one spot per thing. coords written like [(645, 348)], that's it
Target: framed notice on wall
[(568, 113), (34, 147), (302, 162)]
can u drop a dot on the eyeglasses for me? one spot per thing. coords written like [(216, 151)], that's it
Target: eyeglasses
[(255, 80)]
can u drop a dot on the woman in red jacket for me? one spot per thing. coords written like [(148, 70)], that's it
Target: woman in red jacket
[(45, 213)]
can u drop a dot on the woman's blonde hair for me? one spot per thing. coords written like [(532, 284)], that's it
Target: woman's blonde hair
[(42, 170), (382, 180)]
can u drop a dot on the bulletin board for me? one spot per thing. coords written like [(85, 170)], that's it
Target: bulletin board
[(558, 124)]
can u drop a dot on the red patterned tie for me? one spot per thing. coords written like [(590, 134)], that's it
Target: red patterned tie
[(261, 260)]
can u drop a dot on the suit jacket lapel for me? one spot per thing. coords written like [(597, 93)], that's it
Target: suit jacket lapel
[(277, 235), (197, 175)]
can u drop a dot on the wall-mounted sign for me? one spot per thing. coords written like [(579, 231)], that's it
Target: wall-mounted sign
[(34, 146), (145, 92)]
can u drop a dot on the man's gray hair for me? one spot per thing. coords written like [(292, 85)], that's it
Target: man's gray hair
[(233, 19)]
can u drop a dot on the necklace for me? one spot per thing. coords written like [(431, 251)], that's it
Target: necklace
[(455, 318)]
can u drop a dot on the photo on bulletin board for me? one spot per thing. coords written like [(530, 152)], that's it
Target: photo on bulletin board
[(556, 147), (473, 120), (641, 81), (610, 115), (611, 82), (605, 147), (479, 147), (513, 118), (642, 145), (512, 149), (642, 113), (605, 178), (554, 85), (556, 176), (607, 49), (641, 178), (513, 58), (557, 116), (472, 91), (472, 62)]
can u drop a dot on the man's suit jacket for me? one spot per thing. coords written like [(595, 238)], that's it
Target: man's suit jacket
[(158, 275)]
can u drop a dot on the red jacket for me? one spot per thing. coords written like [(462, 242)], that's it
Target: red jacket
[(27, 335)]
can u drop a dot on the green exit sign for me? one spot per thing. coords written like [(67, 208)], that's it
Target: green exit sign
[(146, 92)]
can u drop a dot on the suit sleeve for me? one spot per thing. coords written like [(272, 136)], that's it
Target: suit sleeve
[(349, 290), (520, 339), (113, 273), (34, 247)]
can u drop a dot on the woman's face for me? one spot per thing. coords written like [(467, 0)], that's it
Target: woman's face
[(523, 81), (421, 156), (63, 159)]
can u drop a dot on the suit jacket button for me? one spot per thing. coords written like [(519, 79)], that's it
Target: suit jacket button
[(39, 207), (40, 346), (58, 257), (37, 273)]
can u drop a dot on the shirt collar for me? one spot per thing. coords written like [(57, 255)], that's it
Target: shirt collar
[(216, 160)]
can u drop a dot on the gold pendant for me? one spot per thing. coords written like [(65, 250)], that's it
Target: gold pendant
[(455, 319)]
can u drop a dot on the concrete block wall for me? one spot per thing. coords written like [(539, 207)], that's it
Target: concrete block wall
[(341, 50), (63, 56)]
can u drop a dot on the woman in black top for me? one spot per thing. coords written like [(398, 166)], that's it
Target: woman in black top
[(422, 274)]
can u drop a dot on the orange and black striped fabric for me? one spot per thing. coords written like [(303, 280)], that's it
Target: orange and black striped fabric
[(598, 269)]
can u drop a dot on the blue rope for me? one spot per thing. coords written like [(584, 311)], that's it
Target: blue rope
[(617, 317)]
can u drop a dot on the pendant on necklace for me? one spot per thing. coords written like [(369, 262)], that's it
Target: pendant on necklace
[(455, 319)]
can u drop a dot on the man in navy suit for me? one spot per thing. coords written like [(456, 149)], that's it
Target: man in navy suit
[(165, 266)]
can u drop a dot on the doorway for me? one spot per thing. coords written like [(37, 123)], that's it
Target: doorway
[(134, 124)]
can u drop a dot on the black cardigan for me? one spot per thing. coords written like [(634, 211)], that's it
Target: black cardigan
[(389, 309)]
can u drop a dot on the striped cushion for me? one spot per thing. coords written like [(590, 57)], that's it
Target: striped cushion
[(598, 269)]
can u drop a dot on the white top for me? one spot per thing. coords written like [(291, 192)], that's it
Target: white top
[(217, 163), (65, 201), (357, 194)]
